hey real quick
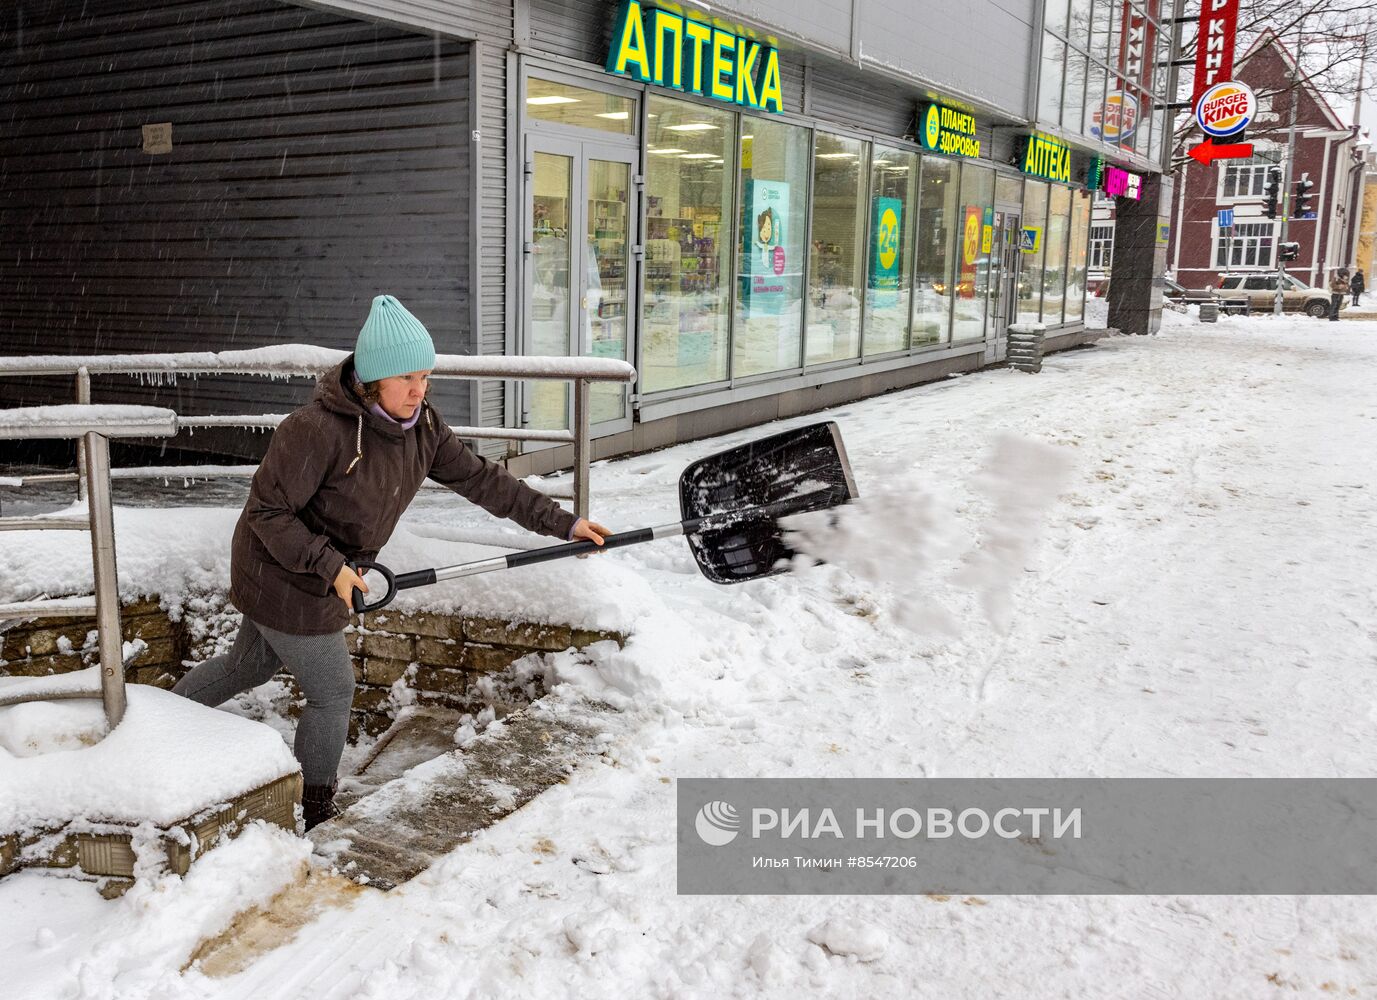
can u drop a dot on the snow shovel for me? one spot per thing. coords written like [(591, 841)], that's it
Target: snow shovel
[(731, 504)]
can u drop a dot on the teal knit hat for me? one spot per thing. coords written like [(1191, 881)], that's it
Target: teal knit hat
[(392, 342)]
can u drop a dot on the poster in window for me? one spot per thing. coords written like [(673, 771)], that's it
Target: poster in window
[(886, 229), (970, 250), (763, 276)]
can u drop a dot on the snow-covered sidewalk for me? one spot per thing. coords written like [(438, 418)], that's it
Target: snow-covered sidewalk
[(1197, 597)]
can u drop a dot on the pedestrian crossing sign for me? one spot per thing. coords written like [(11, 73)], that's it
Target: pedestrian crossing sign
[(1030, 239)]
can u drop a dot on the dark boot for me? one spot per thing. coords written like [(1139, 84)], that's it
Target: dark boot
[(318, 804)]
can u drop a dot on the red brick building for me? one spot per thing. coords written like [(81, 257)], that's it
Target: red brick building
[(1326, 152)]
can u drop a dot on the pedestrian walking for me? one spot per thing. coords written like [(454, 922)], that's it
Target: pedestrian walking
[(1338, 291), (338, 474), (1357, 285)]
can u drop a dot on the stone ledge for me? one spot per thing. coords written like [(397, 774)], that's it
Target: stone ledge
[(528, 635), (105, 849), (383, 672), (485, 659), (453, 650)]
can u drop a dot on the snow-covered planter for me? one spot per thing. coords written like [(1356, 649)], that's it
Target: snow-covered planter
[(173, 780)]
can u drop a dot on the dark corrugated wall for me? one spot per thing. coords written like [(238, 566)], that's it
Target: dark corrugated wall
[(315, 162)]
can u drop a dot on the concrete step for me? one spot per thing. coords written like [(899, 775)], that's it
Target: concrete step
[(419, 735), (392, 834)]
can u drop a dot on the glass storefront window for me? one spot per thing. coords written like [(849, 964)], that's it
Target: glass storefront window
[(1054, 16), (932, 283), (1050, 82), (1078, 30), (690, 167), (1130, 111), (1162, 62), (1030, 271), (836, 265), (774, 191), (1142, 141), (1099, 29), (1074, 101), (1076, 257), (1160, 134), (974, 247), (565, 104), (1094, 100), (894, 196), (1054, 261)]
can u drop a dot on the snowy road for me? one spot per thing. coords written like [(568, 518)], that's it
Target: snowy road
[(1199, 599)]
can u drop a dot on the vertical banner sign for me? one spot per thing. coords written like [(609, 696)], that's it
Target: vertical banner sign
[(885, 227), (970, 251), (765, 287), (1214, 48)]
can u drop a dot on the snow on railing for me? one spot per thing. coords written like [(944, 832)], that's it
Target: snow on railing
[(288, 360), (94, 426), (305, 360)]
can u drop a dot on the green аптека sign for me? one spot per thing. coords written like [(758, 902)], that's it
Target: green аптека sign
[(668, 49), (945, 130), (1047, 158)]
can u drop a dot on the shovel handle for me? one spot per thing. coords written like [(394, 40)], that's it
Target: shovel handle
[(361, 606)]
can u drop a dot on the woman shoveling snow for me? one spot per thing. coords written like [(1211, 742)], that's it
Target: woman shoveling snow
[(337, 476)]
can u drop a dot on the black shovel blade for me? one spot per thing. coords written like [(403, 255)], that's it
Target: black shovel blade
[(790, 473)]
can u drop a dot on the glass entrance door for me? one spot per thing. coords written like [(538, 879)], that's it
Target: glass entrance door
[(578, 288), (1004, 257), (1003, 272)]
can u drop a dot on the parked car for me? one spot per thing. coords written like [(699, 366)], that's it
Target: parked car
[(1260, 291), (1172, 291)]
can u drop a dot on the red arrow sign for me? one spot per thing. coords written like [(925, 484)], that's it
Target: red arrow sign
[(1208, 151)]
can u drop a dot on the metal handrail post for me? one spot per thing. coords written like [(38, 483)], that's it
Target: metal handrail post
[(582, 447), (107, 587), (83, 397)]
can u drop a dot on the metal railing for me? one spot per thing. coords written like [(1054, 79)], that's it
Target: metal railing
[(92, 426), (298, 360)]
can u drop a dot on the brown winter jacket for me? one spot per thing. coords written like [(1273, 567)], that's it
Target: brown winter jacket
[(333, 484), (1338, 284)]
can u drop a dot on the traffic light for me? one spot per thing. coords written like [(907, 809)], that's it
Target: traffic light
[(1302, 206), (1288, 251), (1273, 192)]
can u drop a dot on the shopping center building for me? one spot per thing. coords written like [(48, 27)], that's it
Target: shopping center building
[(765, 214)]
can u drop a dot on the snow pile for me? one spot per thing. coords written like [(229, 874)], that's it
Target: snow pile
[(169, 759), (862, 941), (64, 933), (1096, 314), (41, 727)]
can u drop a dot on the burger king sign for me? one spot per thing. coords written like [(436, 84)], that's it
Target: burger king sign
[(1226, 108)]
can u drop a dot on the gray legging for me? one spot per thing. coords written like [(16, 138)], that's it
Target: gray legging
[(321, 666)]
